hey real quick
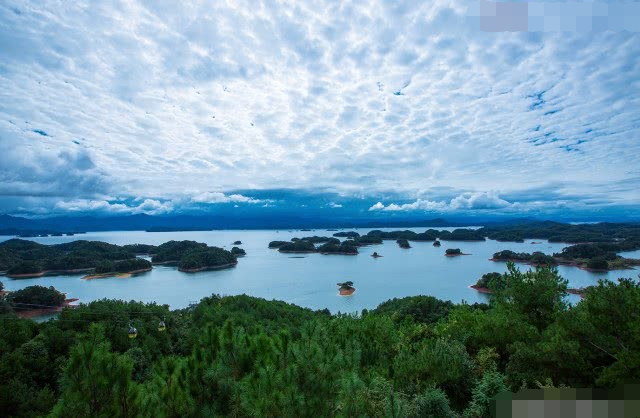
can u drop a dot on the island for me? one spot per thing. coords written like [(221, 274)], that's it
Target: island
[(347, 234), (277, 244), (237, 242), (96, 259), (209, 258), (36, 300), (536, 259), (490, 282), (453, 252), (28, 259), (436, 243), (562, 232), (403, 243), (592, 257), (299, 246), (341, 249), (238, 252), (346, 288), (124, 268), (375, 255), (462, 235)]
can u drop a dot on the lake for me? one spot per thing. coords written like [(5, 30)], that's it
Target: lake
[(309, 281)]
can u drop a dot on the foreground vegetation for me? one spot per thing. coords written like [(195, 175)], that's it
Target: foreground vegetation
[(244, 356)]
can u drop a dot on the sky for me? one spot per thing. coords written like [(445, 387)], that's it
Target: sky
[(353, 108)]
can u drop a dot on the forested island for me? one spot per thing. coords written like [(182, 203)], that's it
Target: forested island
[(326, 245), (592, 256), (23, 259), (192, 256), (563, 232), (243, 356), (453, 252)]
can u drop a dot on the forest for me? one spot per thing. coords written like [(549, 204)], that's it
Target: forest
[(244, 356)]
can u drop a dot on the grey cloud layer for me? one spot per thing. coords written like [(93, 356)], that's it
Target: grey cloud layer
[(164, 99)]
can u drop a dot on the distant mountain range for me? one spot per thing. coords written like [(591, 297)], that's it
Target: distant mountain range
[(14, 225)]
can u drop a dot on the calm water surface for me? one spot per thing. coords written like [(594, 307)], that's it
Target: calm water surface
[(309, 281)]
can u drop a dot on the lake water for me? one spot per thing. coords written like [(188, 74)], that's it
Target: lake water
[(309, 281)]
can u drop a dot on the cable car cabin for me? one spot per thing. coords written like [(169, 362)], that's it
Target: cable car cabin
[(161, 326), (133, 333)]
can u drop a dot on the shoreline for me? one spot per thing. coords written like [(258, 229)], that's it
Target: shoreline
[(580, 291), (341, 253), (199, 269), (49, 273), (121, 275), (455, 255), (346, 292), (32, 313), (562, 262)]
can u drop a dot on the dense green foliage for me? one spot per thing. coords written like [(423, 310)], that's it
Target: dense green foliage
[(299, 246), (331, 248), (317, 240), (243, 356), (403, 243), (492, 281), (537, 258), (605, 250), (208, 257), (347, 234), (173, 251), (367, 240), (238, 252), (560, 232), (277, 244), (453, 251), (33, 296), (598, 263), (462, 235), (123, 266)]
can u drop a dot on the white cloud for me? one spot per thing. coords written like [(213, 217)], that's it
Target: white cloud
[(218, 197), (148, 206), (477, 200), (335, 205)]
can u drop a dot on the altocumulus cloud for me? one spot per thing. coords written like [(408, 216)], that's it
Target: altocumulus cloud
[(364, 98)]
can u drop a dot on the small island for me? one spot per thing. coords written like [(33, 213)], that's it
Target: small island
[(299, 246), (209, 258), (403, 243), (124, 268), (277, 244), (347, 234), (346, 288), (376, 255), (342, 249), (436, 243), (238, 252), (36, 300), (453, 252), (237, 242), (490, 282), (595, 257), (535, 259)]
